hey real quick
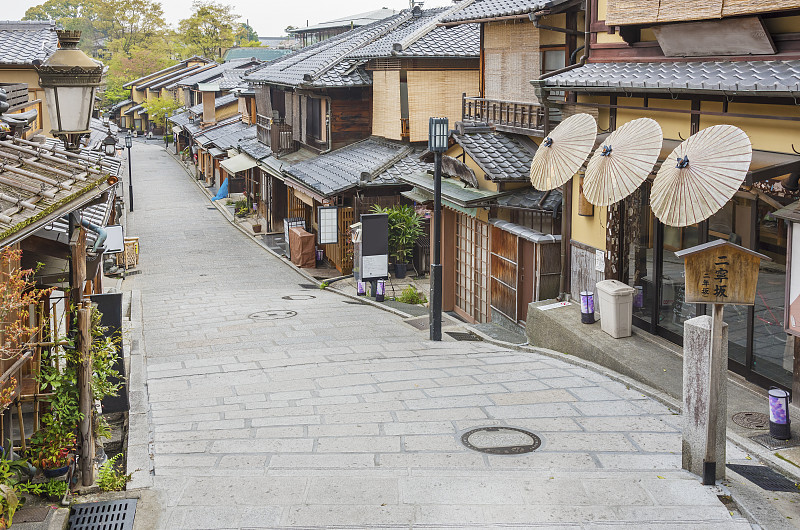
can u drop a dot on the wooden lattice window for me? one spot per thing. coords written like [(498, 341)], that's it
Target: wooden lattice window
[(472, 267)]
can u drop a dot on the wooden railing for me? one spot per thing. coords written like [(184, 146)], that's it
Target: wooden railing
[(36, 125), (508, 116), (405, 130), (276, 134)]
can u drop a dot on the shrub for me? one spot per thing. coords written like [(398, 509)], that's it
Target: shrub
[(111, 477), (410, 295)]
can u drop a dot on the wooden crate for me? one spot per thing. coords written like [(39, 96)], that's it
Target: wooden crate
[(130, 256)]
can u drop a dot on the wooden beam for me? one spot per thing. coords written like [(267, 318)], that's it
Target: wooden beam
[(86, 433)]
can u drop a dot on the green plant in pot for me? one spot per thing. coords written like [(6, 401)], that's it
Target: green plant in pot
[(51, 449), (405, 228)]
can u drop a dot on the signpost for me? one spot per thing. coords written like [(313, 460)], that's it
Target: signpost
[(718, 273), (371, 248)]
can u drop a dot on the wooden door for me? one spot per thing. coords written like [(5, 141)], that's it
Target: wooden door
[(472, 268), (527, 273), (504, 273)]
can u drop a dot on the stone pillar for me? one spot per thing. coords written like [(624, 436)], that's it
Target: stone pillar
[(696, 371)]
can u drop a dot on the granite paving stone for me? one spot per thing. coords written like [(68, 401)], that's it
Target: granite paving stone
[(310, 422)]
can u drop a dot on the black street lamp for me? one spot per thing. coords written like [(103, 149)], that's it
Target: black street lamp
[(438, 136), (129, 144), (110, 144)]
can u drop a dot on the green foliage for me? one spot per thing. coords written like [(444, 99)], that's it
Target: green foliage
[(111, 477), (209, 29), (410, 295), (159, 108), (241, 208), (51, 446), (52, 488), (324, 285), (405, 227), (246, 36)]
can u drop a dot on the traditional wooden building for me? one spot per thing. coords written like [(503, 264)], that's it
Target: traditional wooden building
[(309, 35), (723, 62)]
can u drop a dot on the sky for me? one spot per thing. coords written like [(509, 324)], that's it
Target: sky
[(268, 17)]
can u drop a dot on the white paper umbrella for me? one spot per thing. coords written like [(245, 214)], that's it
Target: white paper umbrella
[(562, 153), (701, 175), (623, 162)]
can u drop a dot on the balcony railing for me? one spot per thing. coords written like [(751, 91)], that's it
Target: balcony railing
[(276, 134), (507, 116), (405, 130)]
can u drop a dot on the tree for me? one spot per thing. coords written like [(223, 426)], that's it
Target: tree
[(71, 14), (246, 36), (209, 29), (130, 23), (159, 108)]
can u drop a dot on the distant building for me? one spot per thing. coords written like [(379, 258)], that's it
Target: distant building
[(325, 30), (260, 53)]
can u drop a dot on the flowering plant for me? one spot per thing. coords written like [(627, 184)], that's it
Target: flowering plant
[(51, 447)]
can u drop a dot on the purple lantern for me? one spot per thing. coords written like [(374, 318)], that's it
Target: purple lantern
[(779, 422), (587, 307)]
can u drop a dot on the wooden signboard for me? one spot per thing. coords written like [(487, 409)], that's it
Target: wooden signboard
[(721, 272)]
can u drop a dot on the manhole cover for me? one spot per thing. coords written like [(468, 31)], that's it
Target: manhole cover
[(772, 444), (298, 297), (501, 440), (113, 515), (764, 477), (462, 336), (31, 515), (751, 420), (272, 314)]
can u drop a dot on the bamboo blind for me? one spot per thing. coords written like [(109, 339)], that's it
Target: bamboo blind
[(437, 94), (571, 109), (296, 117), (287, 104), (304, 120), (386, 104), (511, 59), (622, 12)]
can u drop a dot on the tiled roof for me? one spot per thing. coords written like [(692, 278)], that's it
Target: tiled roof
[(227, 134), (483, 9), (119, 105), (524, 232), (360, 19), (197, 110), (326, 64), (22, 42), (173, 68), (135, 108), (218, 71), (453, 190), (501, 157), (254, 149), (27, 203), (531, 199), (362, 163), (407, 165), (419, 36), (774, 77), (168, 78)]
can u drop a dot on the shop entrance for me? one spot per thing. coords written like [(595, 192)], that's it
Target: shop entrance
[(758, 347)]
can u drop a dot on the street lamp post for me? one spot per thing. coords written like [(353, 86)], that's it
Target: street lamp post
[(129, 144), (110, 144), (438, 136), (70, 79)]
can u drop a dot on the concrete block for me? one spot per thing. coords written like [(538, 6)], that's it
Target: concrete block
[(696, 371)]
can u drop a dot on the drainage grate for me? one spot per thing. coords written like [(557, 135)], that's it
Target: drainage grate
[(751, 420), (31, 515), (464, 336), (771, 443), (113, 515), (307, 286), (501, 440), (272, 314), (298, 297), (764, 477)]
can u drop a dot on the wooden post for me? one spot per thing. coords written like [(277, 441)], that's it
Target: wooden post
[(715, 372), (86, 434)]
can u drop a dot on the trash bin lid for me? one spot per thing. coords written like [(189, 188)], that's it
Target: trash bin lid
[(614, 287)]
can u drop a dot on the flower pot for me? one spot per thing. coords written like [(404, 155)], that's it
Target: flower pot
[(55, 472), (400, 270)]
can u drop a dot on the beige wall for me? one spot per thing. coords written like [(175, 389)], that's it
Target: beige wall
[(386, 104), (437, 93), (31, 77)]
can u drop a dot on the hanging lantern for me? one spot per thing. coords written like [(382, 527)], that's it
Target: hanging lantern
[(587, 307), (110, 145), (380, 291), (70, 79)]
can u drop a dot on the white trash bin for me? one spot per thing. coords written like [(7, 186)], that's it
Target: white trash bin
[(616, 307)]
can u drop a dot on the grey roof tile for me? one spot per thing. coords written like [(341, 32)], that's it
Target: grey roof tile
[(22, 42), (197, 110), (228, 134), (782, 77), (342, 169), (357, 20), (502, 157), (431, 41), (531, 199), (254, 149), (481, 9), (235, 69)]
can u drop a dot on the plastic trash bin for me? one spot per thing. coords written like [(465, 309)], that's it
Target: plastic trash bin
[(616, 307)]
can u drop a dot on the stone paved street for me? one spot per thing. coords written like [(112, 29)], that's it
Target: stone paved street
[(315, 411)]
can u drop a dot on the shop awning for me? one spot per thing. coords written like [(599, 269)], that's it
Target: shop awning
[(240, 162), (216, 152), (417, 195), (454, 191), (177, 129)]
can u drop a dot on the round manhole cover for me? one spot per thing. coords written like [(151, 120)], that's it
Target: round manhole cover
[(501, 440), (272, 314), (751, 420), (298, 297)]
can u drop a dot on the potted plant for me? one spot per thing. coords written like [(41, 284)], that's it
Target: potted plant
[(405, 228), (51, 449)]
